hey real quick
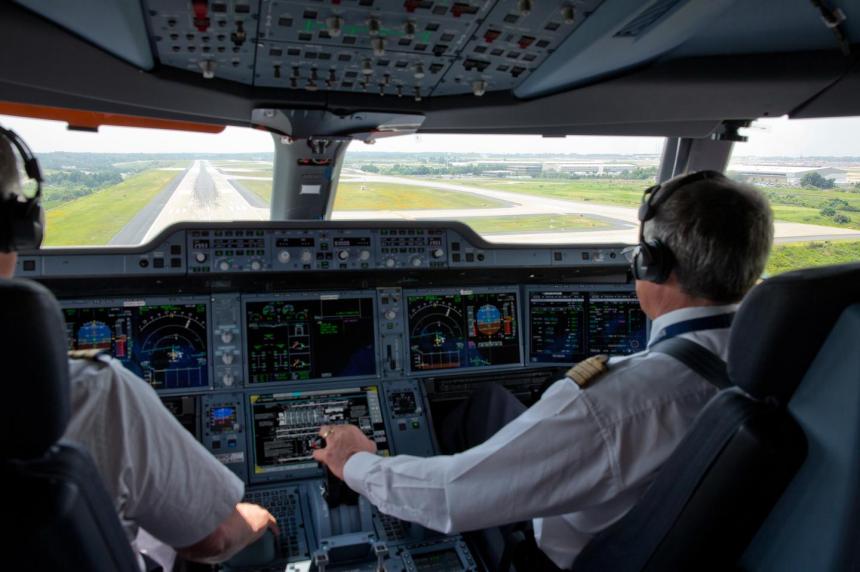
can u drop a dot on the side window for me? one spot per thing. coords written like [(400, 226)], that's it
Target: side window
[(810, 171)]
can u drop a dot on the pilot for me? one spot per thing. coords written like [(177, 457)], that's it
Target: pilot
[(579, 458), (161, 479)]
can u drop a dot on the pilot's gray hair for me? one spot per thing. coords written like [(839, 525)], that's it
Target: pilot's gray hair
[(720, 232), (9, 178)]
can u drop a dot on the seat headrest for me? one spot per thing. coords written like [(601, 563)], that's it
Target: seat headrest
[(33, 354), (781, 325)]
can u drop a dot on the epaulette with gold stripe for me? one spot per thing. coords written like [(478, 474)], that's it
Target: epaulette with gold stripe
[(94, 354), (586, 371)]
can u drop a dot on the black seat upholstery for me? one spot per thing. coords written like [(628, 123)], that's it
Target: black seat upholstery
[(58, 514), (714, 492)]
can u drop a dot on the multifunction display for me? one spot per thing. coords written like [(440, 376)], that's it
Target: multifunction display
[(164, 344), (567, 325), (285, 425), (463, 329), (326, 337)]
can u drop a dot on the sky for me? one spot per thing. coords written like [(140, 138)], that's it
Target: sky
[(768, 137)]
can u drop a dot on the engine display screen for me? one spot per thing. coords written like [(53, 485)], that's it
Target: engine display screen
[(566, 326), (285, 425), (557, 326), (309, 339), (164, 344), (616, 324), (463, 329)]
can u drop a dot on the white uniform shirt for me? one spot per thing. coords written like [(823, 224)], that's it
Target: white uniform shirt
[(575, 462), (160, 477)]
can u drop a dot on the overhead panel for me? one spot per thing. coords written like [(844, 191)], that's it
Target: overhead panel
[(397, 48), (216, 39)]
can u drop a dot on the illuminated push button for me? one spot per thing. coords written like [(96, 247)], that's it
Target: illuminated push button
[(390, 314), (307, 256), (364, 256), (343, 254), (227, 379), (223, 266), (256, 265), (227, 358), (200, 257), (226, 337), (284, 256)]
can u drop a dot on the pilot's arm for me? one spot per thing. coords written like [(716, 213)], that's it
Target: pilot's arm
[(553, 459), (162, 479)]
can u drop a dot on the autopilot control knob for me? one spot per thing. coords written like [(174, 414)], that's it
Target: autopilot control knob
[(390, 263), (200, 257), (226, 337), (416, 261), (223, 266), (307, 256), (390, 315), (227, 359), (343, 255), (227, 379), (364, 255), (284, 256), (438, 253), (256, 265)]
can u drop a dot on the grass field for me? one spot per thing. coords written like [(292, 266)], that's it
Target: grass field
[(262, 189), (533, 223), (785, 257), (96, 218), (626, 193), (388, 196)]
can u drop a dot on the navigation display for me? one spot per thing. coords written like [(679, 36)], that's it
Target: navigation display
[(616, 324), (557, 326), (164, 344), (309, 339), (284, 425), (463, 329), (567, 326)]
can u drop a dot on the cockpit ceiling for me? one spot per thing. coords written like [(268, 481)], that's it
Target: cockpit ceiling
[(427, 48)]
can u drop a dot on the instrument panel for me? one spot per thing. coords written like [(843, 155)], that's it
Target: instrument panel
[(254, 335)]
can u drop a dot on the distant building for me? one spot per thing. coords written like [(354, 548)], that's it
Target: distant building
[(786, 175), (590, 169)]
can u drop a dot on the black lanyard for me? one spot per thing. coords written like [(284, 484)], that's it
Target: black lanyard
[(695, 325)]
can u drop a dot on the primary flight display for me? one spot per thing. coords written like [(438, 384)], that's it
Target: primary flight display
[(463, 329)]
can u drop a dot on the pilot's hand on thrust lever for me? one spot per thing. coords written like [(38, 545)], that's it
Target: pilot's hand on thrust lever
[(342, 442)]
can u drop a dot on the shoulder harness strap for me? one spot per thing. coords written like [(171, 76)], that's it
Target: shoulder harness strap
[(586, 371)]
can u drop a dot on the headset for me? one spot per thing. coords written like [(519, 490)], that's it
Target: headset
[(22, 220), (651, 259)]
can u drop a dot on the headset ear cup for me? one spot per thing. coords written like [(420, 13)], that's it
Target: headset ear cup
[(653, 262)]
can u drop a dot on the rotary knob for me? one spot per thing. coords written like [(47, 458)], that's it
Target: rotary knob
[(343, 254), (307, 257), (223, 266), (390, 314), (416, 261), (227, 359), (256, 265), (284, 256), (390, 263), (200, 257), (364, 256), (227, 379), (438, 253), (226, 337)]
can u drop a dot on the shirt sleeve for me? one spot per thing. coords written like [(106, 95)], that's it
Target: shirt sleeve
[(174, 488), (551, 460)]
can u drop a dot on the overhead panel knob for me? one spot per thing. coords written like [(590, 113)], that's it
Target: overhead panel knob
[(256, 265), (223, 266), (364, 255), (343, 254), (307, 257), (284, 256)]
